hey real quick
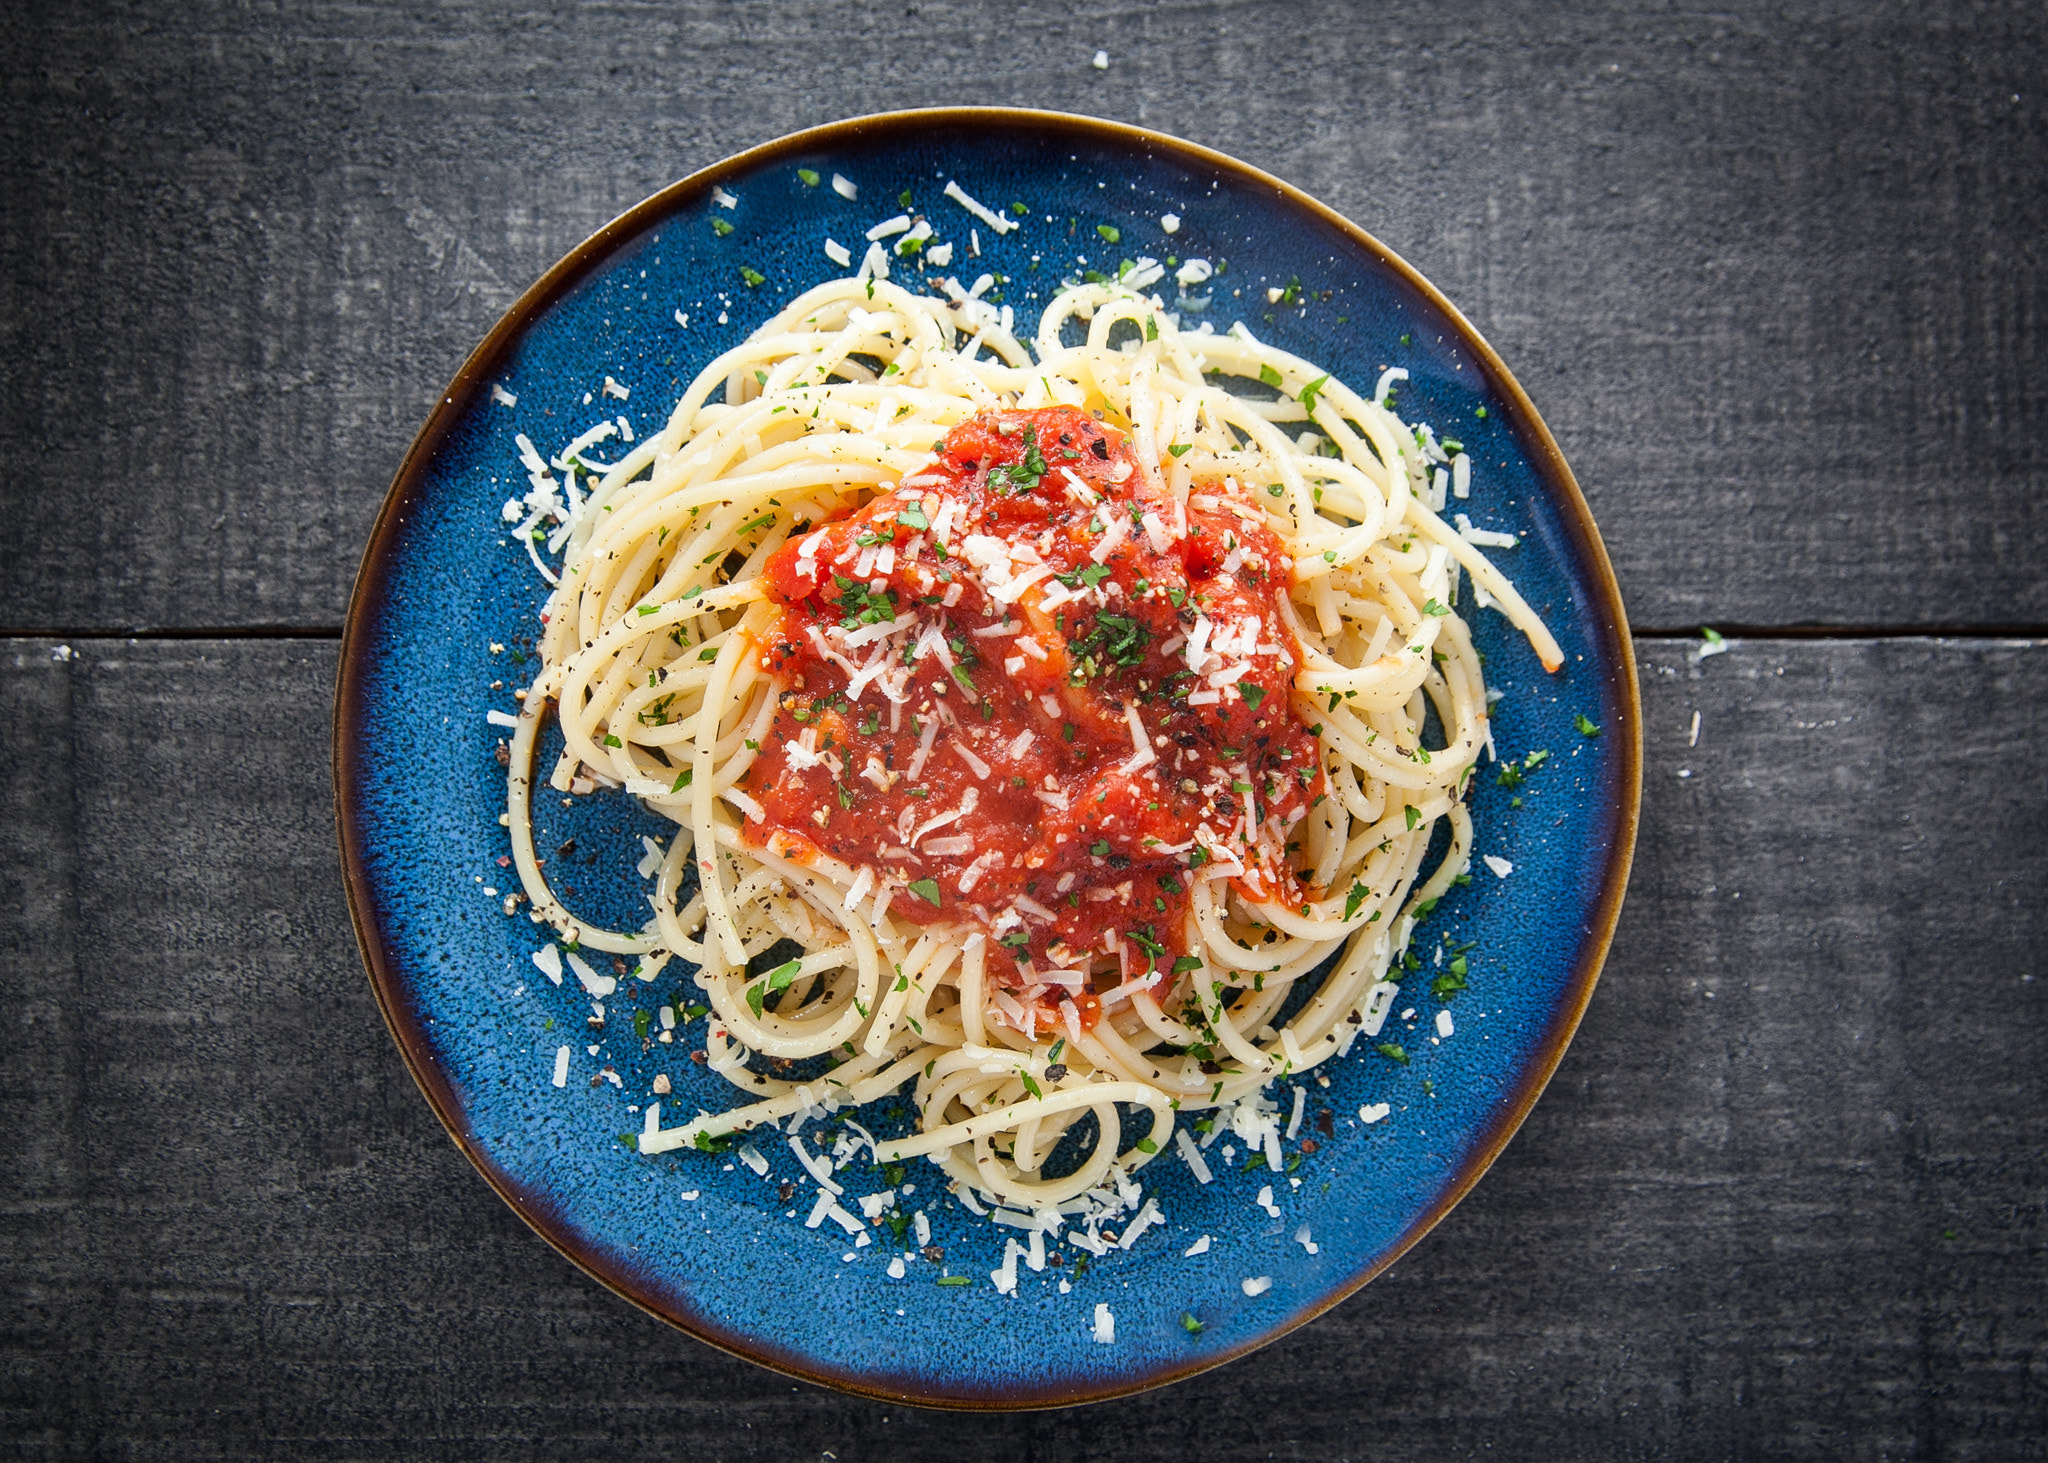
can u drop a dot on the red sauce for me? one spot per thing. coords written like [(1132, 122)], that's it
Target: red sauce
[(1033, 719)]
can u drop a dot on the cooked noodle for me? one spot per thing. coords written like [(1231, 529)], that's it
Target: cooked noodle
[(652, 663)]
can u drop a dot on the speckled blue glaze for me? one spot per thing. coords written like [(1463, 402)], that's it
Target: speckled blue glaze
[(421, 792)]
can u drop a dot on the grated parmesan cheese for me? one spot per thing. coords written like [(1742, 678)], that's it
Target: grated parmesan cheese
[(980, 210)]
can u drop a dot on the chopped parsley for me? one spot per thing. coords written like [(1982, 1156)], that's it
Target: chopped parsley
[(1023, 476), (776, 980), (927, 890), (1120, 639)]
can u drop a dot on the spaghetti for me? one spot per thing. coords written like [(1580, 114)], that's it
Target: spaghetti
[(1068, 713)]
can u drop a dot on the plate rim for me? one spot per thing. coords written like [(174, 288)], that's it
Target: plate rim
[(473, 377)]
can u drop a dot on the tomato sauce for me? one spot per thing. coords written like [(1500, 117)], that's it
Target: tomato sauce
[(975, 612)]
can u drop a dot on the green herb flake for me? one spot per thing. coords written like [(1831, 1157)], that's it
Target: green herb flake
[(1414, 817), (954, 1280), (1271, 377), (927, 890), (720, 227), (1393, 1051), (1109, 233), (1586, 726), (807, 177), (752, 276)]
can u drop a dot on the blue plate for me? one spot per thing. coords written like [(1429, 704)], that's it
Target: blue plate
[(703, 1242)]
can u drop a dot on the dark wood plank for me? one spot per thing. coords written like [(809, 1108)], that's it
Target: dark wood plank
[(1783, 1197), (1774, 273)]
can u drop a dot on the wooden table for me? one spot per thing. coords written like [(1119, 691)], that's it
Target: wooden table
[(1773, 273)]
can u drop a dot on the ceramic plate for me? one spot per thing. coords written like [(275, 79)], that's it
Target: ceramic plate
[(445, 610)]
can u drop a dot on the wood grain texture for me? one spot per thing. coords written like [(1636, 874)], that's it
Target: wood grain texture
[(1773, 273), (1784, 1196)]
